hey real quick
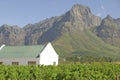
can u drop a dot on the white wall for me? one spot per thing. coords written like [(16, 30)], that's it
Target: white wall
[(48, 56)]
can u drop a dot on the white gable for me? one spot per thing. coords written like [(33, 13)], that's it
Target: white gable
[(48, 56), (48, 49)]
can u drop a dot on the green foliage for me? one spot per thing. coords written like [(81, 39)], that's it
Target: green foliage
[(89, 59), (93, 71)]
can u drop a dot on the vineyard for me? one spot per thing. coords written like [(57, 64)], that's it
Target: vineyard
[(94, 71)]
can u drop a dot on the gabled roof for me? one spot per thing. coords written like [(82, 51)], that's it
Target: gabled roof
[(21, 51)]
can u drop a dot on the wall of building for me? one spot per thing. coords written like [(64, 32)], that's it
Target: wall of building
[(20, 61), (49, 56), (49, 60)]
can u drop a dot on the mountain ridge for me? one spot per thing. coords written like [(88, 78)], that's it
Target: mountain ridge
[(77, 32)]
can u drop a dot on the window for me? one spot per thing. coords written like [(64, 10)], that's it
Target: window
[(31, 62), (1, 62), (15, 63), (54, 63)]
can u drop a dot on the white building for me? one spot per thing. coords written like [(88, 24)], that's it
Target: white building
[(27, 55)]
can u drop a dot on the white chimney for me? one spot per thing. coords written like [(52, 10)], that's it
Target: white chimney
[(2, 46)]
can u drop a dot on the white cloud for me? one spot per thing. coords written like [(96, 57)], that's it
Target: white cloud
[(99, 14), (102, 7)]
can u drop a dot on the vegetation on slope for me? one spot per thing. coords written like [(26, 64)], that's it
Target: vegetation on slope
[(84, 43)]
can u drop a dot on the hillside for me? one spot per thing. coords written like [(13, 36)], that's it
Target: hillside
[(109, 31), (77, 32)]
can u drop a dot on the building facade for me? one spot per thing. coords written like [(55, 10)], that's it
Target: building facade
[(29, 55)]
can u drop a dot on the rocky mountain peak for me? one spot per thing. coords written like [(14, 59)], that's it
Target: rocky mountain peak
[(109, 30), (81, 17), (108, 17), (107, 20), (5, 25), (80, 10), (11, 35)]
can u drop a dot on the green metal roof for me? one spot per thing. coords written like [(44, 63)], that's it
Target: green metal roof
[(21, 51)]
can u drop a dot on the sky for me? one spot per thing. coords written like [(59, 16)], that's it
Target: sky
[(23, 12)]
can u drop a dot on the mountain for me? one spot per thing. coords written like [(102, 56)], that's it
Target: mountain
[(33, 32), (109, 31), (11, 35), (77, 32), (71, 33), (79, 17)]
